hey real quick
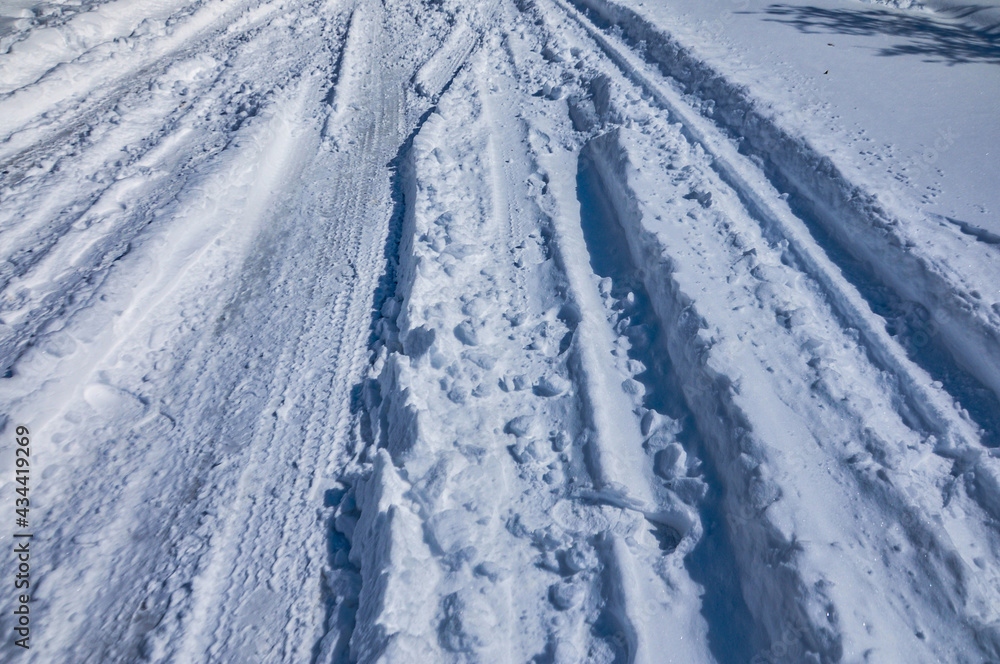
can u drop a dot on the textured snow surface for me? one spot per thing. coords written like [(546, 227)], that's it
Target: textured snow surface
[(513, 331)]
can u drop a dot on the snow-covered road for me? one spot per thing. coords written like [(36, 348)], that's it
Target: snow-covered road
[(512, 331)]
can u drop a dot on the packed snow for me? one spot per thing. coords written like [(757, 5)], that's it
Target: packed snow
[(552, 331)]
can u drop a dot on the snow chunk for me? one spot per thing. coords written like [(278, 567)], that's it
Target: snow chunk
[(466, 333), (671, 461), (468, 622), (551, 386), (108, 401), (565, 595), (522, 426)]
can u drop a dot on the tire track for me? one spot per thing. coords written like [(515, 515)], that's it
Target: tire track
[(67, 233), (858, 231), (602, 555), (732, 428), (93, 399), (957, 435), (332, 341), (241, 468)]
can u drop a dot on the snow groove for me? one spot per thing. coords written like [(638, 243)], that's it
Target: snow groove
[(666, 422), (748, 446), (870, 230), (493, 480), (958, 437), (953, 433), (750, 449)]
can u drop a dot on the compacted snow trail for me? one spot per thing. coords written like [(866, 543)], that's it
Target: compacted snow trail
[(192, 389), (406, 331)]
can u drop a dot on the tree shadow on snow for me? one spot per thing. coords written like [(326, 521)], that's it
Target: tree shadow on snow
[(926, 34)]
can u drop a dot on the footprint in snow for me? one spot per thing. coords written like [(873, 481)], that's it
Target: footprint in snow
[(527, 451), (565, 595), (579, 558), (704, 198), (466, 333), (514, 383), (560, 441)]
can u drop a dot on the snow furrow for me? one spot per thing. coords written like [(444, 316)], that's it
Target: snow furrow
[(432, 474), (653, 593), (912, 260), (669, 438), (756, 427), (939, 414), (965, 523), (938, 411)]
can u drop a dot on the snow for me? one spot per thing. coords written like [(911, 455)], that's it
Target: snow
[(517, 331), (904, 99)]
